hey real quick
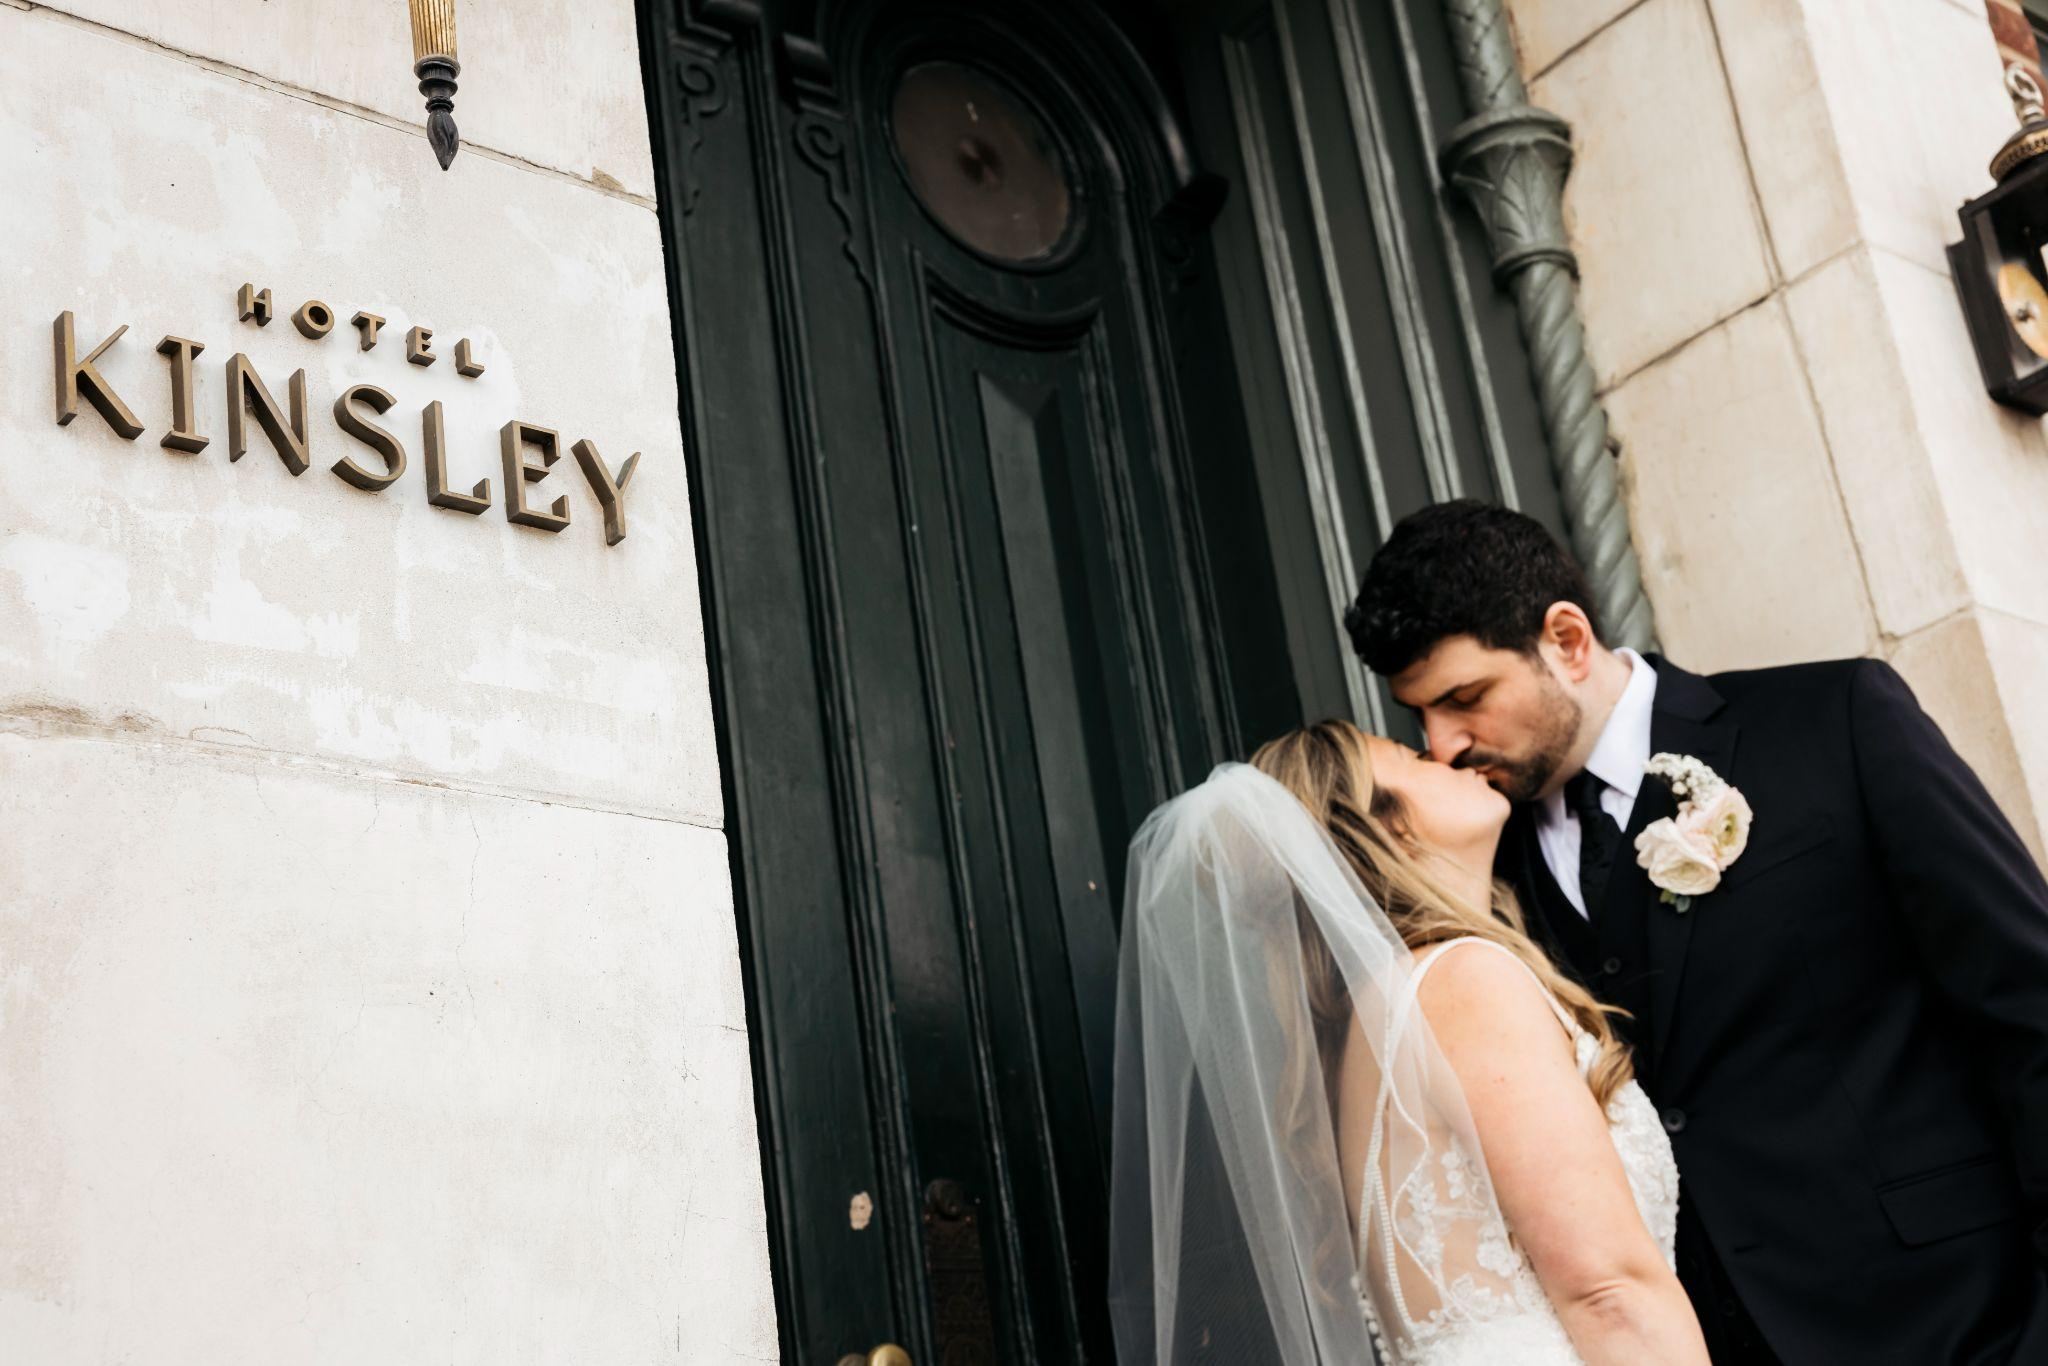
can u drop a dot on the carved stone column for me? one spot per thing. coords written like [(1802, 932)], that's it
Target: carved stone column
[(1510, 160)]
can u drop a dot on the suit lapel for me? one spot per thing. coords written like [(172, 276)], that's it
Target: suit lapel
[(1683, 721)]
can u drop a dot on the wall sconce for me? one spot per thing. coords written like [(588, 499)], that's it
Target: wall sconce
[(433, 61), (1999, 272)]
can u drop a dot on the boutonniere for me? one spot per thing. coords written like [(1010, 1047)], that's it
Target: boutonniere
[(1686, 854)]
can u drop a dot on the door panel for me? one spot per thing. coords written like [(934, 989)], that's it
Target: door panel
[(1013, 422), (1035, 437)]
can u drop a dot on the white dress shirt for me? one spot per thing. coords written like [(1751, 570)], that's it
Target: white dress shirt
[(1617, 761)]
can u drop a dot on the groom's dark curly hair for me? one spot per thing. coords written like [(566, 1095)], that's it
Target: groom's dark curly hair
[(1461, 568)]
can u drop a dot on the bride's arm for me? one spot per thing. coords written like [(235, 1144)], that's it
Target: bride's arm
[(1553, 1164)]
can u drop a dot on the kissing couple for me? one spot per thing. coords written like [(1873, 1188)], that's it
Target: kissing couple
[(1645, 1018)]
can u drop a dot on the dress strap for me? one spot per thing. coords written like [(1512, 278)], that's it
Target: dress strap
[(1436, 951)]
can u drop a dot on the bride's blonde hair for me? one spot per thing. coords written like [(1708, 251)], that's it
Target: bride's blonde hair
[(1328, 768)]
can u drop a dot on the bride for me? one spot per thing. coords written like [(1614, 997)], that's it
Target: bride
[(1358, 1112)]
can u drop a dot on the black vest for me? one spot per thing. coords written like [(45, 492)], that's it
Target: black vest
[(1609, 956)]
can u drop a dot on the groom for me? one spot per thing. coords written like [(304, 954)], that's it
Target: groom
[(1848, 1036)]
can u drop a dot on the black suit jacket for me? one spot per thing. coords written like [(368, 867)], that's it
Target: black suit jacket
[(1848, 1039)]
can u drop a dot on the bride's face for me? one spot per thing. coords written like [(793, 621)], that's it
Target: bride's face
[(1453, 809)]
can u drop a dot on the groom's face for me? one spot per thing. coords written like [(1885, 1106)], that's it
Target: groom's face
[(1506, 714)]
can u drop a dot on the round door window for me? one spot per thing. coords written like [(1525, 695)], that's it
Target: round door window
[(980, 162)]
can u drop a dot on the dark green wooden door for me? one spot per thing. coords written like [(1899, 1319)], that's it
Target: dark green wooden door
[(994, 559), (986, 579)]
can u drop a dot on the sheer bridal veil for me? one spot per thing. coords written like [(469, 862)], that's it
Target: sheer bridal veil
[(1230, 1239)]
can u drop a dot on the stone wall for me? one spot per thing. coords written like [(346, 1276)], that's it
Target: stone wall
[(368, 978), (1760, 202)]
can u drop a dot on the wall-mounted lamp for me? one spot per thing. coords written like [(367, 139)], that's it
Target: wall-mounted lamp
[(433, 61), (2000, 275)]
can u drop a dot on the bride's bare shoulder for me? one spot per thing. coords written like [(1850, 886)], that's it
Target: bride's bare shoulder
[(1475, 990)]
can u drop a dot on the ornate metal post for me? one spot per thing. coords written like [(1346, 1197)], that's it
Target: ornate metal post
[(433, 51), (1510, 160)]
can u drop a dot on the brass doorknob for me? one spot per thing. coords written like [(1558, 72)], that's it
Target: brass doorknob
[(888, 1354)]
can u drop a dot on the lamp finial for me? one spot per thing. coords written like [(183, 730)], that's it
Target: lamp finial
[(433, 52)]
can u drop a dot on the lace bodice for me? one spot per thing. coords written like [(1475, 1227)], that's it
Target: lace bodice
[(1447, 1219), (1645, 1150)]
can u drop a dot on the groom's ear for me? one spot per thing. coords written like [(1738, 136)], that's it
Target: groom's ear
[(1568, 641)]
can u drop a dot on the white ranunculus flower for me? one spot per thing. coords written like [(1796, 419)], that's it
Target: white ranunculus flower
[(1723, 823), (1680, 861)]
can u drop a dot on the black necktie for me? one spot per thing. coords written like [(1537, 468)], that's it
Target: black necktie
[(1598, 836)]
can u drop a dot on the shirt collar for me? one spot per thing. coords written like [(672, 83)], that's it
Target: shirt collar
[(1624, 745)]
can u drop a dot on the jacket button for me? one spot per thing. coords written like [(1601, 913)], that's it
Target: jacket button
[(1674, 1121), (1611, 968)]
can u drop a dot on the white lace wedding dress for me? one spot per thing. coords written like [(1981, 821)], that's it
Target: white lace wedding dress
[(1447, 1218), (1241, 919)]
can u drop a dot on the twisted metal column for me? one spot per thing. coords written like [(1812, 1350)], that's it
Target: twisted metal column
[(1510, 160)]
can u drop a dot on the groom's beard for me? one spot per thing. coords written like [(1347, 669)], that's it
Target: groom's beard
[(1525, 778)]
